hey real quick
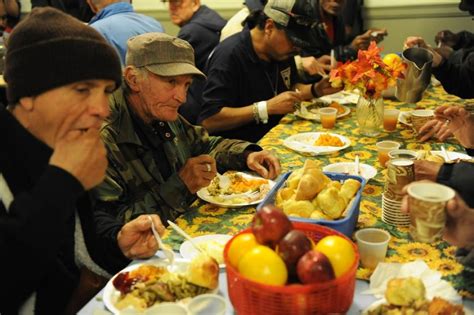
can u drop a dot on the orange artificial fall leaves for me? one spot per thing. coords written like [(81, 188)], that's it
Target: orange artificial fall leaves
[(369, 74)]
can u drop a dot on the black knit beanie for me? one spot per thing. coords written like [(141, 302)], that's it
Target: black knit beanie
[(50, 49)]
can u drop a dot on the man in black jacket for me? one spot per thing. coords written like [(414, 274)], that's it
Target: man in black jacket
[(54, 248), (201, 27)]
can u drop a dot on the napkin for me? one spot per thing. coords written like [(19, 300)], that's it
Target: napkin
[(434, 285)]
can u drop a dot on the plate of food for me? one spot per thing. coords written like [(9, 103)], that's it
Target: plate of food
[(405, 118), (408, 296), (309, 110), (342, 97), (244, 190), (317, 143), (440, 157), (365, 170), (142, 286), (213, 245)]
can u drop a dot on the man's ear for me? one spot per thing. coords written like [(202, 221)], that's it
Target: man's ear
[(93, 7), (132, 79), (26, 103), (196, 5), (269, 26)]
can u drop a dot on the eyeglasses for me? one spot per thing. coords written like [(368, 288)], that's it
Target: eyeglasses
[(302, 20)]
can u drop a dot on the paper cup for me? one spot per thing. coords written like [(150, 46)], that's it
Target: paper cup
[(420, 117), (427, 202), (372, 244), (400, 172), (403, 154)]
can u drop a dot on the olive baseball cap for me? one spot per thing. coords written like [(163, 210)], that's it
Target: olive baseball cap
[(296, 16), (162, 54)]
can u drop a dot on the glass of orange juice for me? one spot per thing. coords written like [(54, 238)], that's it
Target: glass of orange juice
[(390, 119), (383, 148), (328, 117)]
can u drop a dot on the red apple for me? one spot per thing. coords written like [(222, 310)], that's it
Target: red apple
[(291, 247), (314, 267), (270, 224)]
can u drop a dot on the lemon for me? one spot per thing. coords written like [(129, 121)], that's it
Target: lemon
[(263, 265), (340, 252), (389, 59)]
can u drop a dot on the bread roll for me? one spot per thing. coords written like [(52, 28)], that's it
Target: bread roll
[(294, 178), (203, 271), (331, 203), (311, 183), (404, 291), (301, 208), (349, 189)]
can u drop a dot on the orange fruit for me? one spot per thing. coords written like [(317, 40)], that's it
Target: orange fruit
[(389, 59), (240, 245), (339, 251), (263, 265)]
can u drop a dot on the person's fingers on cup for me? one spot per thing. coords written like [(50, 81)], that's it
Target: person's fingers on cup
[(425, 134)]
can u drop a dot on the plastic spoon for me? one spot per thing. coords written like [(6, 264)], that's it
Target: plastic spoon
[(165, 248)]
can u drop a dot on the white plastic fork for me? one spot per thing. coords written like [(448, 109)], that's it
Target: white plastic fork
[(445, 154), (186, 236), (224, 181), (169, 253)]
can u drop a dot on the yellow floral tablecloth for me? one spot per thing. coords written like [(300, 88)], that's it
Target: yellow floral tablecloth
[(205, 218)]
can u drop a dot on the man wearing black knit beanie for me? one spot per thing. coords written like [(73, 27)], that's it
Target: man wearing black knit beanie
[(56, 253)]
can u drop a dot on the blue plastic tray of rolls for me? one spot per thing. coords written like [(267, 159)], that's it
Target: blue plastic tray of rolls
[(345, 225)]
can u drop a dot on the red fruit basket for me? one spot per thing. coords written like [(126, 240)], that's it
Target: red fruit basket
[(335, 296)]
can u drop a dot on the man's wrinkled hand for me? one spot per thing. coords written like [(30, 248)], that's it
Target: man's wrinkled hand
[(264, 163), (198, 172), (136, 240), (283, 103)]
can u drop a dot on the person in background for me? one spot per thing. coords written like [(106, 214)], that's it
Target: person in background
[(454, 70), (237, 21), (330, 33), (458, 229), (157, 160), (10, 11), (252, 80), (117, 22), (57, 252), (460, 176), (353, 22), (77, 8), (201, 27)]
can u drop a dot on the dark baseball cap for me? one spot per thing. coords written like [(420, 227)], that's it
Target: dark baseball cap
[(295, 16), (255, 5)]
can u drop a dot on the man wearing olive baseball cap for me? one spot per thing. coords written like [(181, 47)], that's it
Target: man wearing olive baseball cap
[(158, 161)]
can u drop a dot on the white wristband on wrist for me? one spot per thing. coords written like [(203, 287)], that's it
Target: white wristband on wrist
[(262, 111)]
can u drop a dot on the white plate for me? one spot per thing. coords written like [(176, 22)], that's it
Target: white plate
[(366, 171), (203, 193), (111, 295), (312, 114), (303, 143), (342, 97), (374, 305), (453, 155), (403, 118), (188, 251)]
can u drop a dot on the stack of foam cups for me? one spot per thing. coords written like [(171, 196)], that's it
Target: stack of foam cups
[(400, 172)]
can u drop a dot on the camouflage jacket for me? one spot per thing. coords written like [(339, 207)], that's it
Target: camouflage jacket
[(133, 183)]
